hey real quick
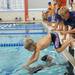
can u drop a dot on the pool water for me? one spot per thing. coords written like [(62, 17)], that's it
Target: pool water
[(13, 57)]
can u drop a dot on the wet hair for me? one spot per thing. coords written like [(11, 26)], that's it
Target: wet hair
[(29, 43)]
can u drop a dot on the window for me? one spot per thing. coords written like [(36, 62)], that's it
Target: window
[(11, 4)]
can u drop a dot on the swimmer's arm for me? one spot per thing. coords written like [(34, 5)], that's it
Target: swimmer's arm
[(68, 32), (33, 55), (71, 31), (34, 58), (64, 45)]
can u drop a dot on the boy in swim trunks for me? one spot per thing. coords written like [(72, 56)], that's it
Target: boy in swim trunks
[(43, 43)]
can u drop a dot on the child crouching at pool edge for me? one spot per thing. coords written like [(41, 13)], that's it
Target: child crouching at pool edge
[(43, 43)]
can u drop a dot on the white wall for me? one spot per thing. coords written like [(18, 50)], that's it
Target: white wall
[(15, 5), (10, 15), (19, 4), (36, 14), (38, 3)]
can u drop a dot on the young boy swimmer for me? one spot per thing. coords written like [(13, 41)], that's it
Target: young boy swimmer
[(43, 43)]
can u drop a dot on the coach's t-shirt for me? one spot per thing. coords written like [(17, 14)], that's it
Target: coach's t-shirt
[(71, 20)]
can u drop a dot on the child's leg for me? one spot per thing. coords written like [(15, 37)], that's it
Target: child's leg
[(64, 45)]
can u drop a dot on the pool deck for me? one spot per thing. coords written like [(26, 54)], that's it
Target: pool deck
[(20, 22)]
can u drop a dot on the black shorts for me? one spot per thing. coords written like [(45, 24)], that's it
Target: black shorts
[(56, 40)]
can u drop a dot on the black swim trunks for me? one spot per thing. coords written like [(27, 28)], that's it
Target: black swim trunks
[(56, 40)]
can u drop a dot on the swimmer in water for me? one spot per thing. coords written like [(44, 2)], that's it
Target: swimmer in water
[(48, 63), (43, 43)]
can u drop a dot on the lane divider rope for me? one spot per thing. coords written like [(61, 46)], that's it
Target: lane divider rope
[(11, 44)]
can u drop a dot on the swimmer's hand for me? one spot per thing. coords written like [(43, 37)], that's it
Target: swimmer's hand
[(25, 66)]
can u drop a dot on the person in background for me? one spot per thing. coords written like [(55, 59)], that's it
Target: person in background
[(56, 8), (69, 21), (45, 16), (58, 19), (49, 10), (49, 17), (49, 5)]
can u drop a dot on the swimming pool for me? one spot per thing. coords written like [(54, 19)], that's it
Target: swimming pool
[(13, 54)]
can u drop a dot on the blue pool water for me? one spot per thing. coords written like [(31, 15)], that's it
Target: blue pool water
[(12, 57)]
